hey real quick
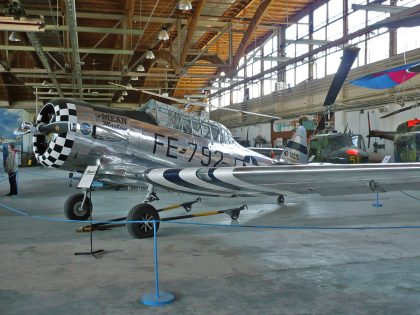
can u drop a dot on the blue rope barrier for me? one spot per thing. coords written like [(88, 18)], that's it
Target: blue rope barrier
[(43, 175), (277, 227)]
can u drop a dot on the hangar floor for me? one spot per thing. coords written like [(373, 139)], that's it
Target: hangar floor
[(210, 270)]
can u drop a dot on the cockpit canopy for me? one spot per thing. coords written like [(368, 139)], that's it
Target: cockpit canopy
[(171, 117)]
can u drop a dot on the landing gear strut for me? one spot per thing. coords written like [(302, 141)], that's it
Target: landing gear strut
[(151, 195)]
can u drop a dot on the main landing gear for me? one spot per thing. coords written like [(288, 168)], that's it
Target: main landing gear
[(141, 218)]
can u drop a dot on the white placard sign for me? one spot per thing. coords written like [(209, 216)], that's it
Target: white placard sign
[(88, 176), (386, 159)]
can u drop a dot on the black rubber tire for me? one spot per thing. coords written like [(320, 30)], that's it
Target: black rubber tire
[(280, 199), (72, 209), (142, 212)]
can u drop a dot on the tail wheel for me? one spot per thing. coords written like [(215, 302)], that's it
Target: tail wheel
[(73, 207), (280, 199), (142, 212)]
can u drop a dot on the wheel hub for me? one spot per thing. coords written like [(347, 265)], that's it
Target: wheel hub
[(147, 226), (78, 210)]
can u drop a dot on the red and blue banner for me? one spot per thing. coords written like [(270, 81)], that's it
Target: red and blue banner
[(388, 78)]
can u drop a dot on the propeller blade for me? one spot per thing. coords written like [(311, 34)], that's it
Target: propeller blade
[(56, 127), (20, 131), (399, 111), (349, 56), (25, 128)]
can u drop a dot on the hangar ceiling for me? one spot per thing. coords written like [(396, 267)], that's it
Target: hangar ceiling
[(82, 45)]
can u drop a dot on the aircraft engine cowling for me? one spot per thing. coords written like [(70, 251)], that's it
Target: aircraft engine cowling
[(53, 149)]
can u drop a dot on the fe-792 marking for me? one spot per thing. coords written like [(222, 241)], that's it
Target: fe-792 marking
[(205, 150)]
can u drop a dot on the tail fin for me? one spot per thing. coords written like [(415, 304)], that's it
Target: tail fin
[(296, 150)]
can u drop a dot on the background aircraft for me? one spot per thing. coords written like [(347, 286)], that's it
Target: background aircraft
[(406, 138), (327, 144)]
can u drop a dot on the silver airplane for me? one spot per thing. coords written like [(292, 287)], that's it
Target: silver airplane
[(128, 144)]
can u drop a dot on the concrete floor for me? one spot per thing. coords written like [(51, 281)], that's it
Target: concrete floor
[(210, 270)]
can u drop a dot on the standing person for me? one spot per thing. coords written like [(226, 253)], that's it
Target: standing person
[(11, 168)]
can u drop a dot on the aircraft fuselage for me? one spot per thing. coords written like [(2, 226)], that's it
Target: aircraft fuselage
[(127, 142)]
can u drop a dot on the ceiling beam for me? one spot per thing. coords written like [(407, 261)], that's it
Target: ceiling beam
[(205, 20), (252, 27), (191, 29), (92, 29), (107, 51), (37, 73)]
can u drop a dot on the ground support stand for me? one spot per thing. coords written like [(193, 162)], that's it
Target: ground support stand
[(91, 252), (377, 204), (158, 298), (102, 226)]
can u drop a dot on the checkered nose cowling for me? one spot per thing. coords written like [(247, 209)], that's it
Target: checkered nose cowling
[(54, 149)]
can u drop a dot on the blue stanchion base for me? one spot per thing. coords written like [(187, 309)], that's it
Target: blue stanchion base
[(151, 300), (377, 205)]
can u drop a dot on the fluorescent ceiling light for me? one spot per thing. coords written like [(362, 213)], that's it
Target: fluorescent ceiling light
[(163, 34), (124, 93), (2, 68), (14, 37), (51, 91), (134, 78), (129, 86), (185, 5), (140, 68), (45, 83), (150, 55)]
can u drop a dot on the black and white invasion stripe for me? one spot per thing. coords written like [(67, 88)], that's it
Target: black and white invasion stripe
[(204, 181)]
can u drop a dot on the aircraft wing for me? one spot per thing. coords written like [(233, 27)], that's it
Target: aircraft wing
[(327, 180)]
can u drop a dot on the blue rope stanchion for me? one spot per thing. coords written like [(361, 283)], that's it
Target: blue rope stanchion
[(377, 204), (158, 298)]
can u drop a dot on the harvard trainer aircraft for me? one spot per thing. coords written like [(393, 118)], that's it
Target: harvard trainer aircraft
[(127, 144), (164, 146)]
